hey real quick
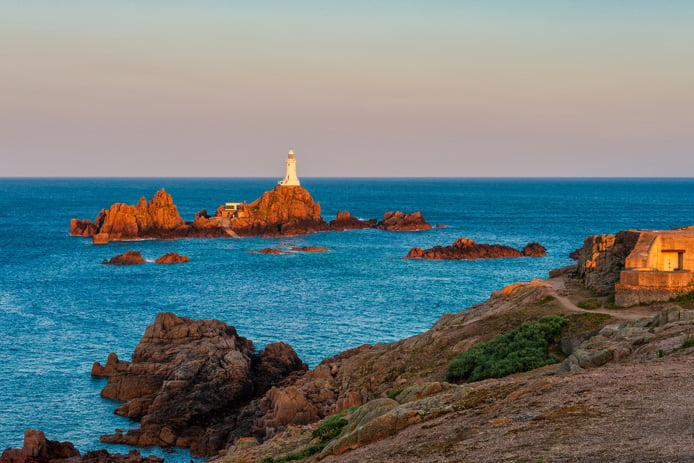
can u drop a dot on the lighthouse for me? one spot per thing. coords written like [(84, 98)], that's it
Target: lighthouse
[(290, 179)]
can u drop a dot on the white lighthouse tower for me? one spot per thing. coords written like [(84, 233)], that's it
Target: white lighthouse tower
[(290, 179)]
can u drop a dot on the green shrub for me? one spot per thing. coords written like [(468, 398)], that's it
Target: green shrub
[(523, 349), (689, 297), (589, 304), (688, 342), (330, 428)]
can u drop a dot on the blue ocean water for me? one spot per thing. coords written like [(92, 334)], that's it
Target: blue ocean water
[(61, 310)]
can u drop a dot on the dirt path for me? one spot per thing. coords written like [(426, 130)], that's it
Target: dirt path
[(558, 288)]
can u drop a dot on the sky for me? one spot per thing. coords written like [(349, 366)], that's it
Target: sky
[(592, 88)]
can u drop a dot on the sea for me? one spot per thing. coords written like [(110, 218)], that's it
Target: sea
[(61, 310)]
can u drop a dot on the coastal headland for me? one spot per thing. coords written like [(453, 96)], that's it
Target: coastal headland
[(615, 387)]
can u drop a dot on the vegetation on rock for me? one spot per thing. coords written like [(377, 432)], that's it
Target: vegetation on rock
[(523, 349)]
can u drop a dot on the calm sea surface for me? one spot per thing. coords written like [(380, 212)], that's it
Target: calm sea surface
[(61, 310)]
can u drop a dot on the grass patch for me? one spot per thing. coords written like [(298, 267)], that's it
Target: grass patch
[(684, 298), (589, 304), (393, 395), (688, 342), (523, 349)]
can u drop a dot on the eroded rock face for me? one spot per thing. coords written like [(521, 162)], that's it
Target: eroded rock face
[(346, 221), (38, 449), (127, 258), (285, 210), (399, 221), (602, 257), (82, 227), (188, 379), (172, 258), (467, 249)]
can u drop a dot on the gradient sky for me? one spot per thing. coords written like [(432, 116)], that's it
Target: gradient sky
[(358, 88)]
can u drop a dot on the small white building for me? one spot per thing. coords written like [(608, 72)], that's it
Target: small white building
[(290, 179)]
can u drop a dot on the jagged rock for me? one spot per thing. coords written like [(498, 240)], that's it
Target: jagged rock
[(346, 221), (38, 449), (467, 249), (172, 258), (188, 379), (127, 258), (285, 210), (602, 257), (399, 221), (82, 227)]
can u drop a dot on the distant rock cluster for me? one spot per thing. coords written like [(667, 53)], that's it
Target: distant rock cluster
[(283, 211)]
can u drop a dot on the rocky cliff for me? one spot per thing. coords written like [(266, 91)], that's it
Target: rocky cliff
[(467, 249), (186, 379), (602, 257)]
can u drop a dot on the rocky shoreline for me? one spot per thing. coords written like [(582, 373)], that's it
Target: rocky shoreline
[(283, 211), (198, 384)]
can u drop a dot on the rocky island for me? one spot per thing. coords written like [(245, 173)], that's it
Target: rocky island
[(467, 249), (287, 209)]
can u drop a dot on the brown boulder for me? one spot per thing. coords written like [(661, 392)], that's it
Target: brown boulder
[(172, 258), (187, 381), (399, 221), (467, 249), (534, 250), (346, 221), (127, 258)]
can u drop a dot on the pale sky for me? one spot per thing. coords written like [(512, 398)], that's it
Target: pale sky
[(359, 88)]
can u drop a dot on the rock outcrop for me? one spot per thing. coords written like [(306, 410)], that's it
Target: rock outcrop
[(187, 381), (602, 257), (127, 258), (467, 249), (172, 258), (399, 221), (285, 210), (38, 449), (346, 221)]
